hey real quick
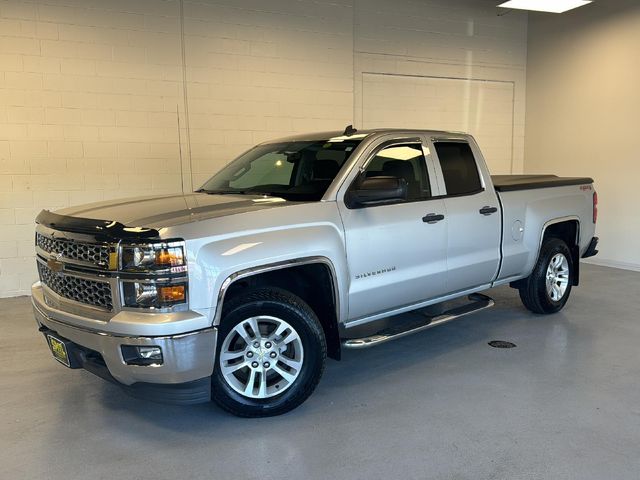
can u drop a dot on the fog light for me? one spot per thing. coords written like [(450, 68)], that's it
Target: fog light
[(142, 355), (150, 352)]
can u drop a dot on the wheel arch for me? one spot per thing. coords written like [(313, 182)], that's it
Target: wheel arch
[(568, 230), (303, 277)]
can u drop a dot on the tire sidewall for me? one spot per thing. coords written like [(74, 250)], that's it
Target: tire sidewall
[(551, 248), (308, 328)]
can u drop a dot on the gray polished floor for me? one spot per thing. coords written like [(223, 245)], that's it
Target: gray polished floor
[(564, 404)]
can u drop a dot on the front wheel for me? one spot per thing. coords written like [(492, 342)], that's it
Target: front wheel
[(548, 287), (271, 354)]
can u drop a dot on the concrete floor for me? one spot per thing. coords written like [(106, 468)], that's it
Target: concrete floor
[(564, 404)]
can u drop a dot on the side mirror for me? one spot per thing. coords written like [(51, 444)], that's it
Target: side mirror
[(377, 190)]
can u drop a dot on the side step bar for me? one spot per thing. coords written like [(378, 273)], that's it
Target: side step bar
[(477, 302)]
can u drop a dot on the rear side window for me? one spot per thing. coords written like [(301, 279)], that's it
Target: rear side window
[(458, 168)]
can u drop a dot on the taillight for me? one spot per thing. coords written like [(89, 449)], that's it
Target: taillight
[(595, 207)]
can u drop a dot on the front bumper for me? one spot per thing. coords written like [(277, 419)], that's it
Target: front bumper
[(187, 357)]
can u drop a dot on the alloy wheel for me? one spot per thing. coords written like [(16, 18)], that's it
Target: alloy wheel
[(261, 357), (557, 277)]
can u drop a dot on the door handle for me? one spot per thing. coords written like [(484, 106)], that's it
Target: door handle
[(488, 210), (432, 218)]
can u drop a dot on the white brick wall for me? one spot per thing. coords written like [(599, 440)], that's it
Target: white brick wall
[(89, 89), (462, 39), (84, 86), (258, 70)]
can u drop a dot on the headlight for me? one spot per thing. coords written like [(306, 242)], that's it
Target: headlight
[(153, 257), (153, 295), (153, 274)]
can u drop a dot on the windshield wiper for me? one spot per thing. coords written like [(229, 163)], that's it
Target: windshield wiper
[(222, 192), (248, 191)]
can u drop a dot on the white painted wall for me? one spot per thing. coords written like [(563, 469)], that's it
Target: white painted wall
[(583, 104), (462, 40), (483, 108), (91, 90)]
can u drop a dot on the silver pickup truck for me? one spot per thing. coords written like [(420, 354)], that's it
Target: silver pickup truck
[(300, 248)]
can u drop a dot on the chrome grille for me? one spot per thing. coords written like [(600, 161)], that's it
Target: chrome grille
[(91, 253), (81, 290)]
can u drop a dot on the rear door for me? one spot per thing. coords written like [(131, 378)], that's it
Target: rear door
[(473, 214), (396, 252)]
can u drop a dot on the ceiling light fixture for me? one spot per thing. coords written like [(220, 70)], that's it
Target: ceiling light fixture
[(553, 6)]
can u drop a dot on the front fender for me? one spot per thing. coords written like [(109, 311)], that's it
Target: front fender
[(216, 261)]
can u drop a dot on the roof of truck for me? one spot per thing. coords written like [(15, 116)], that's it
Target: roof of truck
[(359, 134)]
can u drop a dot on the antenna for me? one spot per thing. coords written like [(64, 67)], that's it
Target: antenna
[(349, 130), (180, 150)]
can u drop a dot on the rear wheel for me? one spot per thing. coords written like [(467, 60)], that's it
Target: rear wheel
[(271, 354), (548, 287)]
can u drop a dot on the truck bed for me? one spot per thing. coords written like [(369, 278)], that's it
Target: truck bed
[(510, 183)]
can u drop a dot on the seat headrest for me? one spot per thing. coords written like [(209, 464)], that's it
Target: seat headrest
[(325, 169), (400, 169)]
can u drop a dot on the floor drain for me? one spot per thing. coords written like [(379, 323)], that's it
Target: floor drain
[(501, 344)]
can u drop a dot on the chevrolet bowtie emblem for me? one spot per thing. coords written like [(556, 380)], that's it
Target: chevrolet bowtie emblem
[(54, 265)]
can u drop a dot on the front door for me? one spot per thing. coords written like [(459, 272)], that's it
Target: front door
[(397, 252)]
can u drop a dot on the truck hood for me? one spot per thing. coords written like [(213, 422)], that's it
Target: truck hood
[(169, 210)]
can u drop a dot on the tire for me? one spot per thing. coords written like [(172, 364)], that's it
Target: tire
[(538, 293), (280, 371)]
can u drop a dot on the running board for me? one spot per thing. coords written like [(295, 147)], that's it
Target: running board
[(477, 302)]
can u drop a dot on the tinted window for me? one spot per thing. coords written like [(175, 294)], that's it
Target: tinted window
[(458, 168), (403, 161)]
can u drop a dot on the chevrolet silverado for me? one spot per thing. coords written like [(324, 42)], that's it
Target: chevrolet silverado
[(296, 250)]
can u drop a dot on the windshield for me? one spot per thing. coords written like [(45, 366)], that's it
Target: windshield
[(300, 170)]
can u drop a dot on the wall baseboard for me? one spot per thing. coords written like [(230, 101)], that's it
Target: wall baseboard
[(16, 293), (613, 264)]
